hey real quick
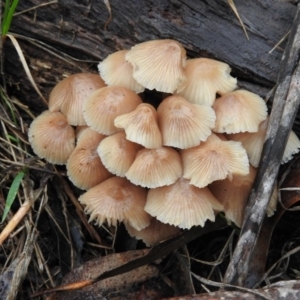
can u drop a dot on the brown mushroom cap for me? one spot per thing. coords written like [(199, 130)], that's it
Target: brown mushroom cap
[(158, 64), (233, 194), (109, 102), (115, 70), (116, 199), (239, 111), (182, 204), (155, 167), (214, 160), (69, 95), (51, 137), (84, 167), (183, 124), (117, 153), (141, 126), (154, 233), (205, 78)]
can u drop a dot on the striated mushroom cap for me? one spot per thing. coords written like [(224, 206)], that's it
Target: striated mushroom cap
[(141, 126), (51, 137), (105, 104), (116, 199), (239, 111), (115, 70), (214, 160), (155, 167), (84, 166), (182, 204), (117, 153), (69, 95), (158, 64), (183, 124), (205, 78)]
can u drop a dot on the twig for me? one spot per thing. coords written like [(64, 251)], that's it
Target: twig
[(281, 121)]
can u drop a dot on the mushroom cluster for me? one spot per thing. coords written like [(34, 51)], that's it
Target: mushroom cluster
[(157, 169)]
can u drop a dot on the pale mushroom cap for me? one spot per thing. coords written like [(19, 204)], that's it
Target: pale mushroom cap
[(182, 204), (84, 167), (273, 202), (233, 194), (115, 70), (117, 153), (183, 124), (239, 111), (252, 142), (292, 147), (154, 233), (141, 126), (214, 160), (69, 95), (116, 199), (51, 137), (155, 167), (158, 64), (105, 104), (205, 78)]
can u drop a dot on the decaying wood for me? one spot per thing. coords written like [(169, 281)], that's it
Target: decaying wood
[(285, 106), (206, 28)]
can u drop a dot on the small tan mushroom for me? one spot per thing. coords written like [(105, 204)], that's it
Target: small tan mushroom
[(183, 124), (115, 70), (155, 167), (116, 200), (239, 111), (84, 167), (69, 95), (154, 233), (105, 104), (141, 126), (254, 142), (233, 194), (182, 204), (51, 137), (205, 78), (117, 153), (214, 160), (158, 64)]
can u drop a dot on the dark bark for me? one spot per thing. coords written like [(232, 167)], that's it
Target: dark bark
[(205, 28)]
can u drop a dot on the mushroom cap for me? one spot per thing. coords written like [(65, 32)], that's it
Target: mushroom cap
[(154, 233), (117, 153), (233, 194), (116, 199), (183, 124), (115, 70), (253, 142), (155, 167), (69, 95), (51, 137), (182, 204), (158, 64), (141, 126), (214, 160), (109, 102), (292, 147), (84, 166), (205, 78), (239, 111)]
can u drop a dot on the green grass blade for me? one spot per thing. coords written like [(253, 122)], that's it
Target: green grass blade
[(9, 15), (14, 188), (6, 9)]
